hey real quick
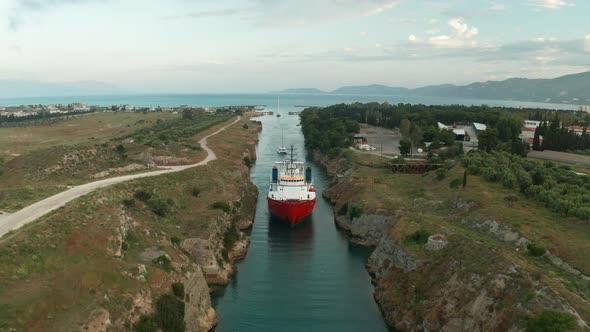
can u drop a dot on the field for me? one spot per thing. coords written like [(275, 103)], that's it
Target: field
[(56, 271), (76, 152), (88, 129), (428, 202)]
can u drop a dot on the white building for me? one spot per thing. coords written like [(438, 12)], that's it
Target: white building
[(532, 124)]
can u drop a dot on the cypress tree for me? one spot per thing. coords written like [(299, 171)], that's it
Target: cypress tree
[(536, 141), (464, 179)]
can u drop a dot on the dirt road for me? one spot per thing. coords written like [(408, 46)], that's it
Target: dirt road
[(35, 211)]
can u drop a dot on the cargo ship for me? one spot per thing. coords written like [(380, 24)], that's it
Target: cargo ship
[(291, 196)]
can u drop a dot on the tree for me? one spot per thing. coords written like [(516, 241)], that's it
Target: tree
[(188, 114), (405, 147), (464, 179), (404, 127), (488, 140), (536, 141)]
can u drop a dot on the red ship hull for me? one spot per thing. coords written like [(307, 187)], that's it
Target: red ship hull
[(292, 211)]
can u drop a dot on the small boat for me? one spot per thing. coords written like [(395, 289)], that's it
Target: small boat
[(291, 195), (281, 149)]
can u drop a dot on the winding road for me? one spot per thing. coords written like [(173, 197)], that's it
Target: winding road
[(37, 210)]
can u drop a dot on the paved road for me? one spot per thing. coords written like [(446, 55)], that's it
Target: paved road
[(35, 211)]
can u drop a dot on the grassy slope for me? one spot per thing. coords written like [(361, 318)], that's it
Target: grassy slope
[(57, 270), (73, 159), (428, 203)]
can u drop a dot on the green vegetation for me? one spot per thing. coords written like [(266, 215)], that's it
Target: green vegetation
[(328, 128), (558, 189), (248, 162), (146, 323), (231, 236), (164, 261), (419, 237), (551, 321), (223, 206), (355, 211), (195, 191), (178, 290), (535, 250), (560, 138)]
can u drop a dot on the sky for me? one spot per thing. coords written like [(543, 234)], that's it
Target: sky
[(202, 46)]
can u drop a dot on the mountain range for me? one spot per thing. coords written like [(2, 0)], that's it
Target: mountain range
[(573, 89), (23, 88)]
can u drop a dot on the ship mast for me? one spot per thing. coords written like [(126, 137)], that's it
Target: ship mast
[(292, 166)]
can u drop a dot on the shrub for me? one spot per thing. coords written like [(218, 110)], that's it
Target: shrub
[(195, 191), (178, 290), (511, 198), (248, 161), (551, 321), (175, 240), (355, 211), (146, 323), (120, 149), (223, 206), (455, 183), (231, 236), (418, 237), (535, 250), (565, 167), (170, 313), (440, 174), (128, 203), (164, 262), (143, 195), (159, 206)]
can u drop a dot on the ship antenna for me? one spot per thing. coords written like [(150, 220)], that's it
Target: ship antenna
[(291, 160)]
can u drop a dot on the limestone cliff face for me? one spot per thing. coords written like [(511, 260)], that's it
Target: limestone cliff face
[(199, 314)]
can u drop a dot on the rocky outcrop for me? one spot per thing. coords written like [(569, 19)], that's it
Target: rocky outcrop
[(199, 314), (366, 229), (388, 255)]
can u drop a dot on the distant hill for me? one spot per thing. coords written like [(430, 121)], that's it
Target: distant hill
[(573, 89), (21, 88), (306, 91), (374, 89)]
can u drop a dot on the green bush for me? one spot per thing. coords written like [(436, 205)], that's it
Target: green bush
[(355, 211), (170, 313), (159, 206), (146, 323), (120, 149), (128, 203), (231, 236), (551, 321), (418, 237), (455, 183), (164, 262), (248, 161), (143, 195), (440, 174), (223, 206), (535, 250), (178, 290), (195, 191), (175, 240)]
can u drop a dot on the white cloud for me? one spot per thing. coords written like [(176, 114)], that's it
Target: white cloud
[(412, 38), (363, 34), (587, 43), (380, 8), (499, 6), (544, 39), (551, 4), (460, 37)]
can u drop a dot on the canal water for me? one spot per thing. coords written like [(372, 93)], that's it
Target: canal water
[(306, 278)]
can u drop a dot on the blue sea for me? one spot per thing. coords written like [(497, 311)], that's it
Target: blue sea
[(267, 99)]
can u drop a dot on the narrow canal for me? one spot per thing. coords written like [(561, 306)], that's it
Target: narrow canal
[(306, 278)]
